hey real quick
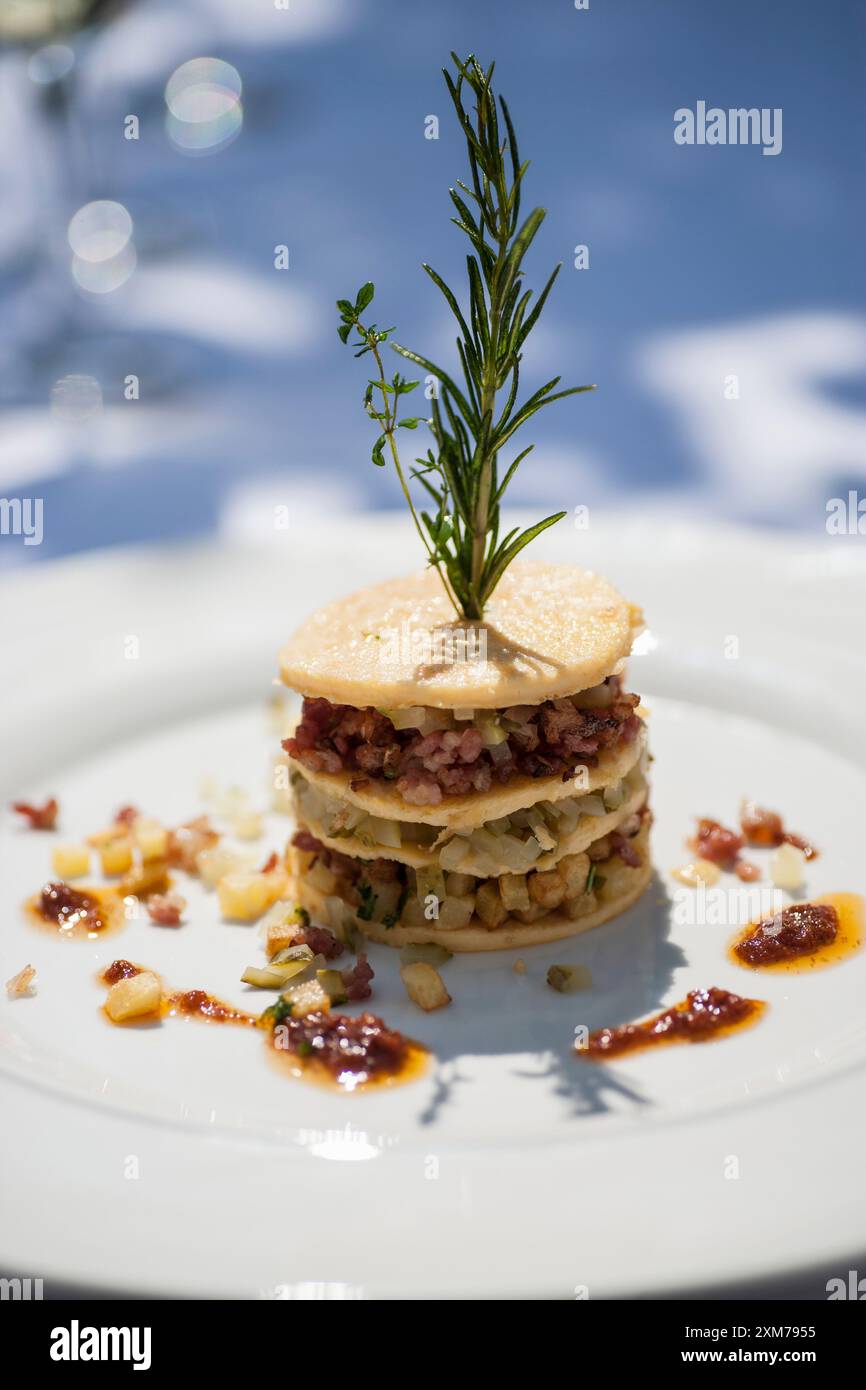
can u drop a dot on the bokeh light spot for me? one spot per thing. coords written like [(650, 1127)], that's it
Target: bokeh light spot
[(101, 277), (205, 113), (100, 231)]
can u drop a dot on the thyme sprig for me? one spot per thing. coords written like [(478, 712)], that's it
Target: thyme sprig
[(469, 425)]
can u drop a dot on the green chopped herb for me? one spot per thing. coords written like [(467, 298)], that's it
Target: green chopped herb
[(368, 902), (276, 1014), (392, 918)]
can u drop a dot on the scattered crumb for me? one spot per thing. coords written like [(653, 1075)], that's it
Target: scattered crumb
[(568, 979), (21, 984), (519, 967), (70, 861), (38, 817)]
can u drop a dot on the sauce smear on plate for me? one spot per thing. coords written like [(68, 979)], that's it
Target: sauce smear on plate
[(81, 913), (351, 1053), (192, 1003), (703, 1015)]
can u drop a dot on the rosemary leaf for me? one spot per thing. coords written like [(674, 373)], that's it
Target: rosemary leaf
[(460, 473)]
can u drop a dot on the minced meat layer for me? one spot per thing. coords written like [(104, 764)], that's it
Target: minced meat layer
[(547, 740)]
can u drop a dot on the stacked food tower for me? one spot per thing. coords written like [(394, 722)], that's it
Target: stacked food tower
[(481, 786)]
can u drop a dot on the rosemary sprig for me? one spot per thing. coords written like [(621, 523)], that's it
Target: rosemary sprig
[(469, 427)]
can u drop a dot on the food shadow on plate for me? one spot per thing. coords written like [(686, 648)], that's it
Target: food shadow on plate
[(502, 1012)]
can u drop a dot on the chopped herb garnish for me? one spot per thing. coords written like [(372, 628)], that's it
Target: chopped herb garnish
[(460, 473), (368, 902), (274, 1016), (392, 918)]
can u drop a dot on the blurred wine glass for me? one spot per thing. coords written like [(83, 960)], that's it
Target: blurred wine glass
[(41, 44)]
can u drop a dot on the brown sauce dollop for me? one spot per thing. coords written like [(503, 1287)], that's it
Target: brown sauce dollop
[(803, 936), (348, 1051), (70, 910), (798, 930), (702, 1015), (197, 1003), (119, 970), (766, 830)]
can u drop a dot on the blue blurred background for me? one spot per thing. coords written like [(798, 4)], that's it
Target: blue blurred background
[(706, 264)]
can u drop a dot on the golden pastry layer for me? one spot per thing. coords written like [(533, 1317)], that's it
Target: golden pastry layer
[(548, 631)]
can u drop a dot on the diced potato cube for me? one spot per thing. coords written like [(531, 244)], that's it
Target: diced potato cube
[(459, 885), (580, 906), (387, 897), (615, 879), (513, 891), (115, 857), (145, 879), (489, 905), (217, 861), (788, 867), (600, 849), (70, 861), (284, 921), (245, 896), (456, 913), (546, 889), (424, 986), (308, 998), (280, 935), (701, 872), (248, 825), (413, 914), (530, 914), (134, 997), (321, 878), (573, 870), (103, 837), (151, 839)]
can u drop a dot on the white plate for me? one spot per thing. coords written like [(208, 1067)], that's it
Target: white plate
[(176, 1159)]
